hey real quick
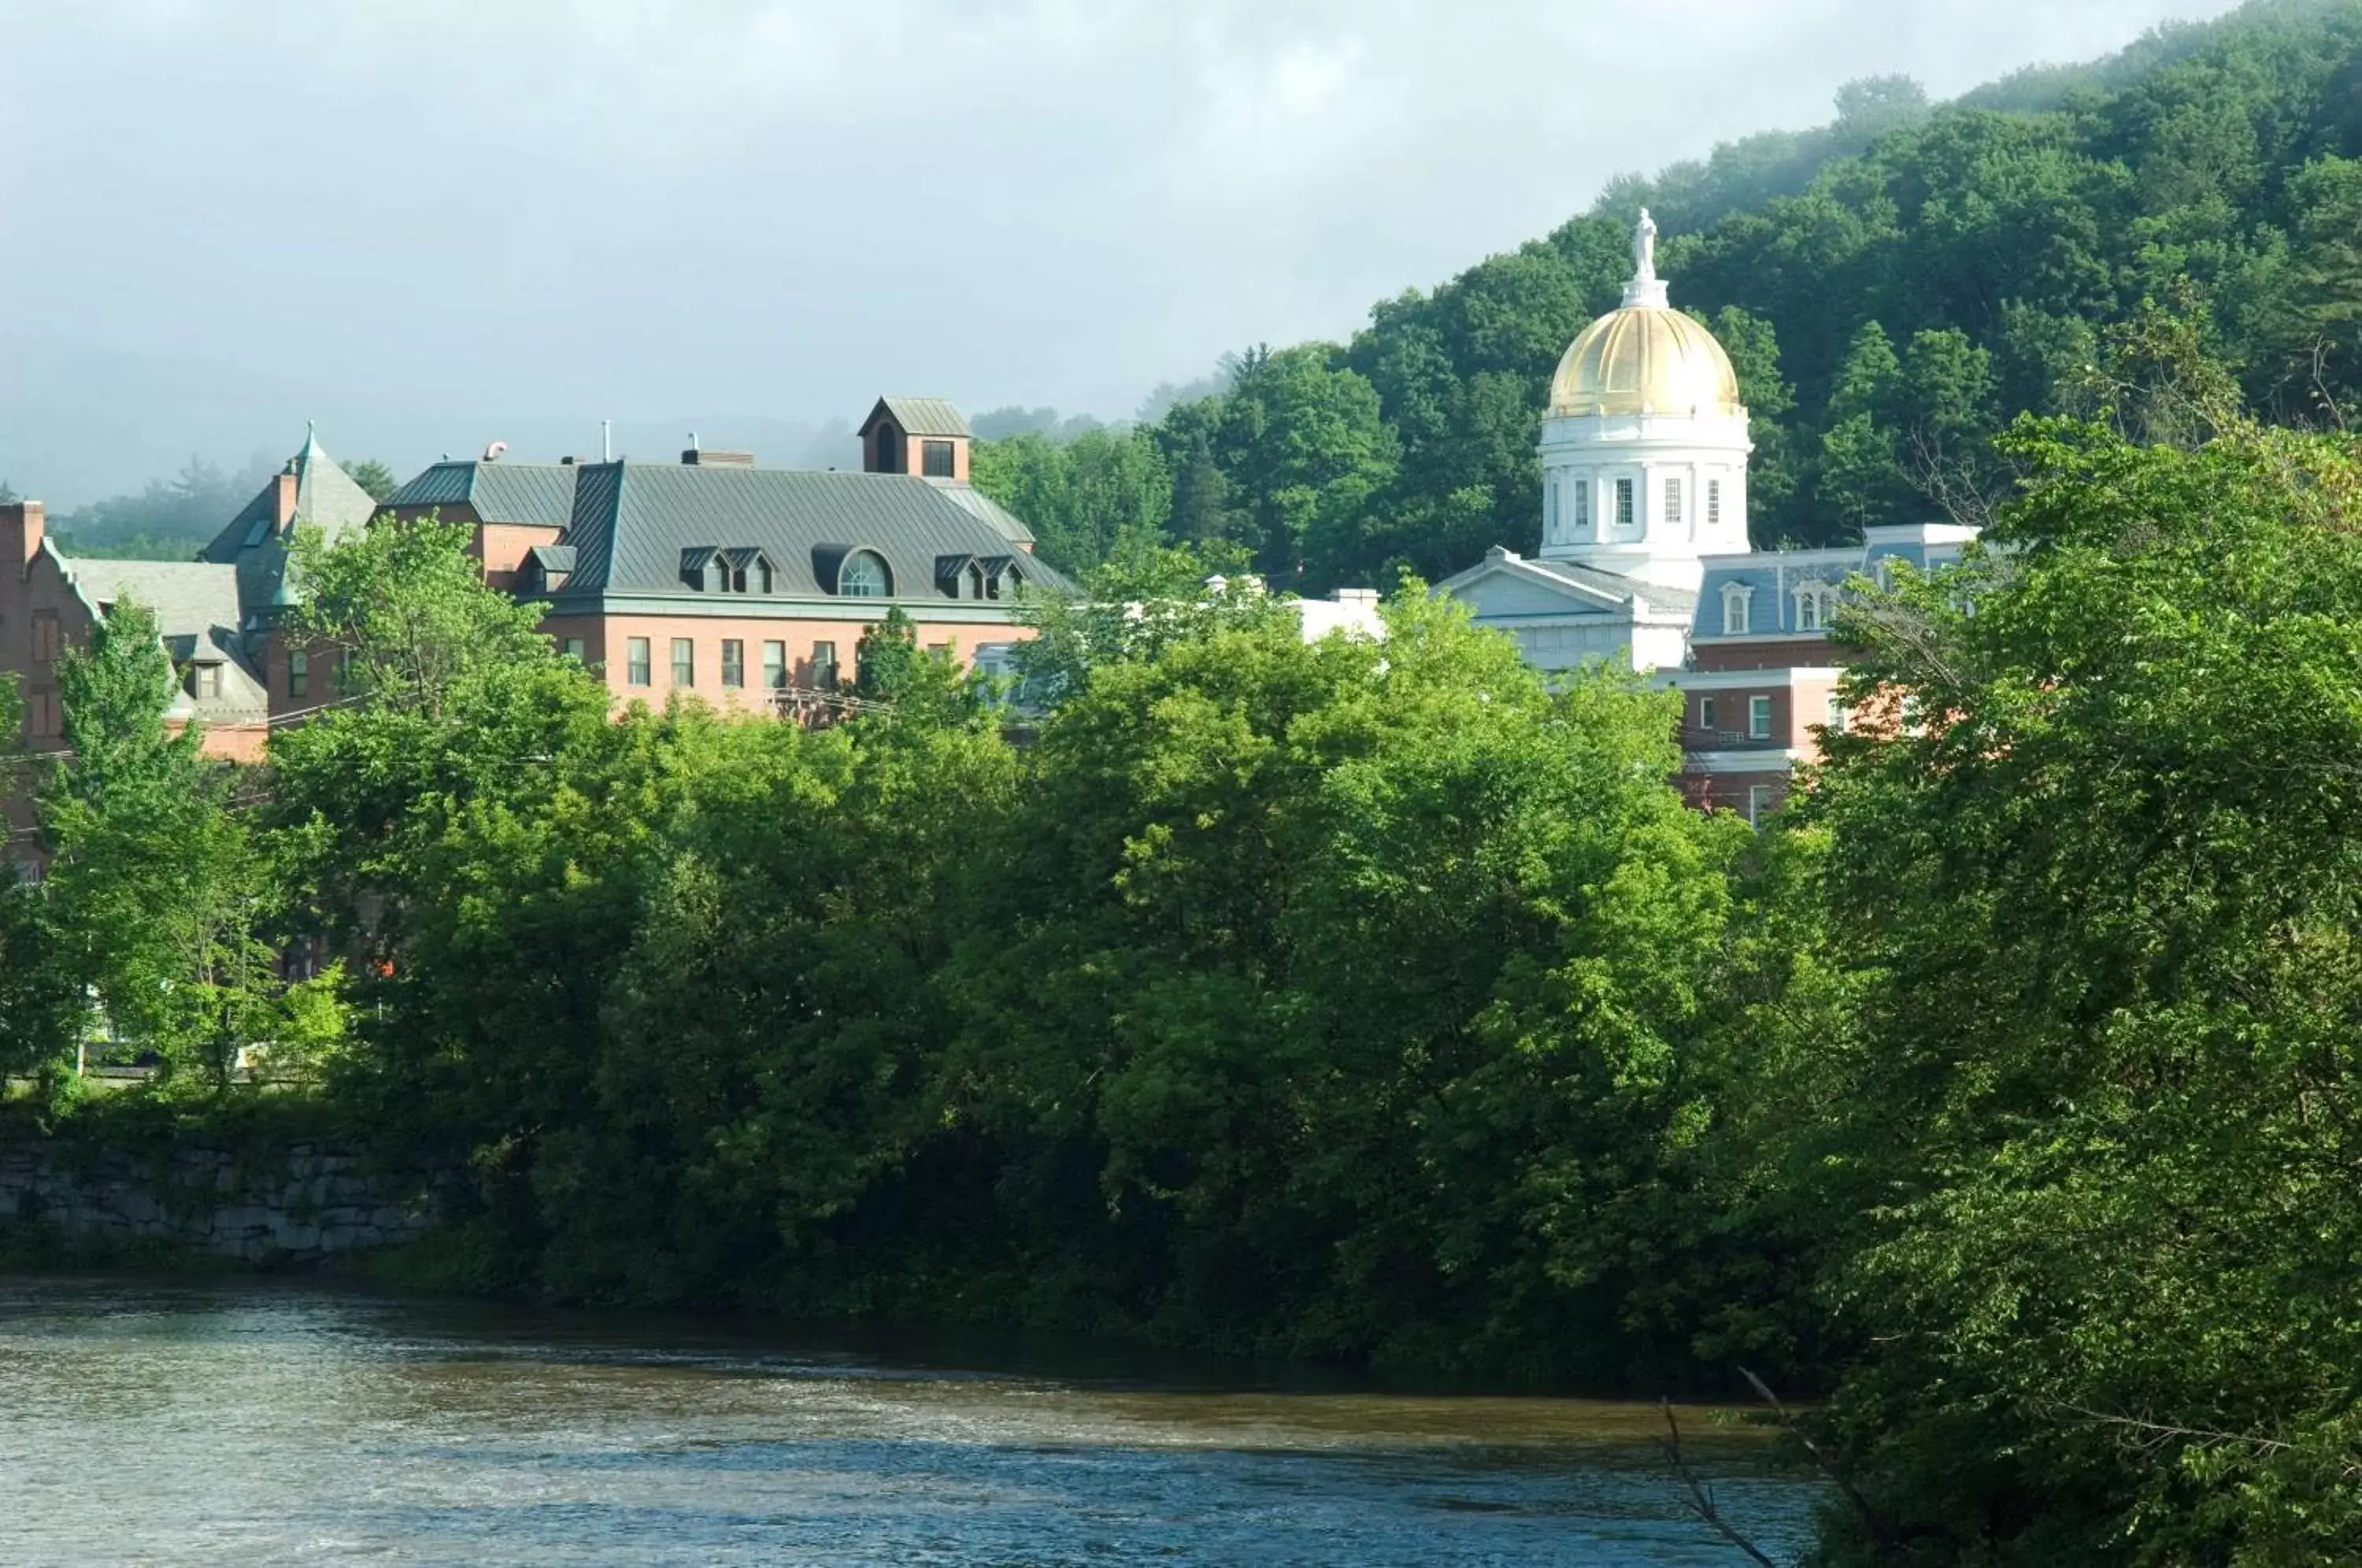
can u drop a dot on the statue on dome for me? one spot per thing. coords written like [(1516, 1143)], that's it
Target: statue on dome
[(1644, 248)]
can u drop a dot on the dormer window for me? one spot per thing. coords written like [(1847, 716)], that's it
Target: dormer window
[(1815, 602), (1735, 598), (206, 680), (865, 576), (936, 458), (972, 582)]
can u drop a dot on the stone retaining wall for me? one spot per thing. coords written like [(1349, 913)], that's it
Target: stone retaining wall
[(305, 1202)]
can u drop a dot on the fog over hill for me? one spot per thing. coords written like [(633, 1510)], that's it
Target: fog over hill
[(432, 227)]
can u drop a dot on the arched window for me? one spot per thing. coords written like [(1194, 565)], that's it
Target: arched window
[(865, 576), (1814, 603), (1733, 610)]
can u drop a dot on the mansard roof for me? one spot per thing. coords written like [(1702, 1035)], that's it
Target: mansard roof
[(632, 523)]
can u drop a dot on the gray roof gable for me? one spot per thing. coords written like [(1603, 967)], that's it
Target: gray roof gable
[(634, 521), (325, 498), (917, 416), (534, 494)]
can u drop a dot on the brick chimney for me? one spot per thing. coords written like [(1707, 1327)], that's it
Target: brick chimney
[(20, 533), (282, 499)]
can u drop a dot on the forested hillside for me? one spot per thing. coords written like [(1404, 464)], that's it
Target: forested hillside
[(1893, 288)]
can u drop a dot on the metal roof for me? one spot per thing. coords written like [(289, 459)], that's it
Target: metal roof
[(538, 493), (918, 416), (1011, 526), (632, 521)]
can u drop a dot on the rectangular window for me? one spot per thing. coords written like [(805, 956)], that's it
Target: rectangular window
[(1734, 614), (1672, 500), (45, 636), (684, 662), (1713, 504), (574, 648), (824, 666), (941, 650), (1836, 716), (636, 661), (1808, 611), (298, 673), (1582, 508), (734, 662), (205, 680), (1759, 718), (775, 665), (1623, 504), (1758, 803), (936, 458), (1705, 712)]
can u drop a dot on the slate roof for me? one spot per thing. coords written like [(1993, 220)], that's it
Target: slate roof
[(325, 498), (1655, 595), (1776, 575), (196, 608), (539, 494), (632, 521), (918, 416)]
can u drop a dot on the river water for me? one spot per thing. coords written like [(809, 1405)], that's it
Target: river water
[(255, 1424)]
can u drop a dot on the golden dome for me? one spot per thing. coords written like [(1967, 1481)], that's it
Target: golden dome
[(1642, 360)]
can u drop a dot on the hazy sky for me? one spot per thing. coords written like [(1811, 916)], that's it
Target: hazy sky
[(570, 208)]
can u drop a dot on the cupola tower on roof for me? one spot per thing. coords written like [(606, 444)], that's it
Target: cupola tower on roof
[(1644, 445)]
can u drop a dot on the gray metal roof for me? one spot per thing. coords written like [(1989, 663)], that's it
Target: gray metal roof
[(540, 493), (1011, 526), (1615, 584), (918, 416), (634, 521)]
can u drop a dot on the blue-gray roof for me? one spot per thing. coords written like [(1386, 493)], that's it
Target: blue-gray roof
[(325, 498), (540, 493), (1774, 577), (634, 522)]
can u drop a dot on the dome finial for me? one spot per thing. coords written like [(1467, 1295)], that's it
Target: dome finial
[(1646, 290)]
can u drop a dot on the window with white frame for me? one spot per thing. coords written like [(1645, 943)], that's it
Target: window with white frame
[(1836, 714), (1705, 712), (1734, 609), (1582, 507), (1713, 504), (1759, 718), (1623, 504), (1761, 800), (1672, 500), (1814, 601)]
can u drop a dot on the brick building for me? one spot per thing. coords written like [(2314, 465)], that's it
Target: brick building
[(740, 583)]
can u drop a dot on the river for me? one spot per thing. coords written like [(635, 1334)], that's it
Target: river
[(261, 1423)]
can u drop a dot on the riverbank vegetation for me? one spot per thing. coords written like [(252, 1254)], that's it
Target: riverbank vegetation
[(1375, 1000)]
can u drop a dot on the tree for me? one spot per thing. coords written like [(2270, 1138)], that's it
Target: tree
[(156, 895), (374, 478), (2088, 1147)]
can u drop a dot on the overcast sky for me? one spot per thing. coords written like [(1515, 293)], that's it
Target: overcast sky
[(571, 208)]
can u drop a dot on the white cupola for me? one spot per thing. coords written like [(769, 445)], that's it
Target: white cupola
[(1644, 445)]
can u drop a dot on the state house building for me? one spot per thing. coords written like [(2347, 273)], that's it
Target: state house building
[(1645, 560)]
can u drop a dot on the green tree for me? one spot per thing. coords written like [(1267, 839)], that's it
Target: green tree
[(2088, 1147), (374, 478), (156, 894)]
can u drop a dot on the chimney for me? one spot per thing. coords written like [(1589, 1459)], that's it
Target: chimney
[(283, 502), (715, 457), (20, 532)]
